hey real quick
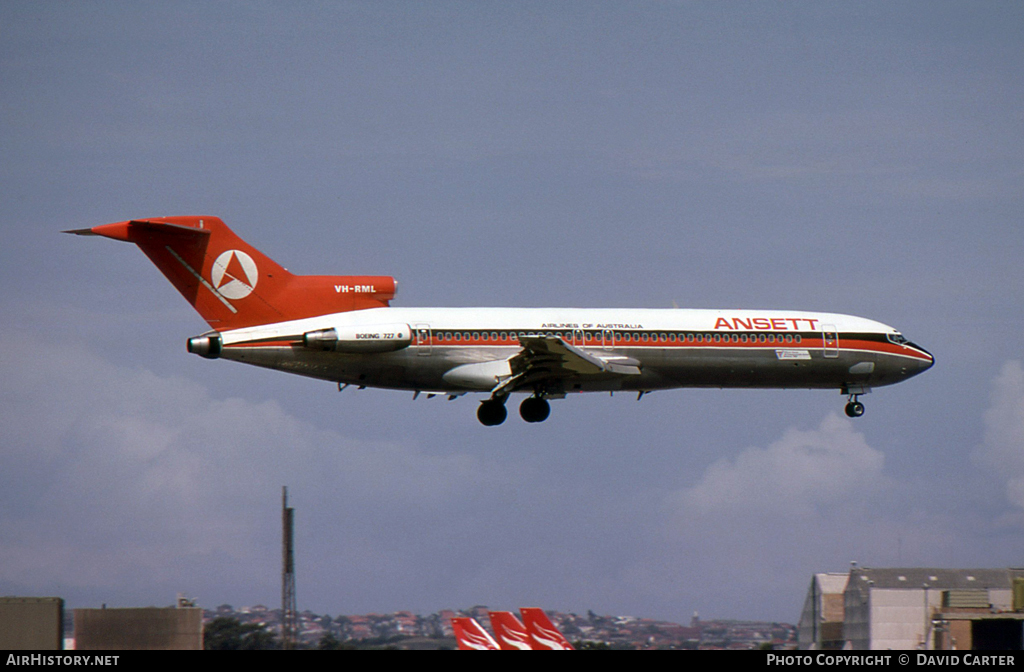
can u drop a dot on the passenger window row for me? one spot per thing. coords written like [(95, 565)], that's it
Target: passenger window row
[(619, 337)]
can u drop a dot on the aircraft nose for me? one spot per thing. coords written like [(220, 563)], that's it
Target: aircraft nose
[(925, 364)]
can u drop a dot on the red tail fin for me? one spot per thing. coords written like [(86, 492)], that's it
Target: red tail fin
[(511, 634), (232, 284), (471, 637), (545, 635)]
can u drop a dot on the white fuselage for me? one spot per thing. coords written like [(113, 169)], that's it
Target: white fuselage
[(671, 348)]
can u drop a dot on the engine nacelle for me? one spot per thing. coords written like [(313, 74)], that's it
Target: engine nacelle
[(366, 338), (206, 346)]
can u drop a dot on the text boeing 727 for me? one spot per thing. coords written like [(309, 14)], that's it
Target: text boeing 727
[(342, 329)]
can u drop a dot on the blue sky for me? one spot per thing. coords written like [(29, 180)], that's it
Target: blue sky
[(858, 158)]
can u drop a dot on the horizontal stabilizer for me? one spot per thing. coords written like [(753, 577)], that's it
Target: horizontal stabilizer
[(142, 230)]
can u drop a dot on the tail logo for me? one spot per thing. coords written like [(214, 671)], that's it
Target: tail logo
[(234, 274)]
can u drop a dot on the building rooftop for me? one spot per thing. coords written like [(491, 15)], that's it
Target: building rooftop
[(913, 578), (832, 582)]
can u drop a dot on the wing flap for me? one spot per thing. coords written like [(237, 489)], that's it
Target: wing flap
[(545, 358), (555, 354)]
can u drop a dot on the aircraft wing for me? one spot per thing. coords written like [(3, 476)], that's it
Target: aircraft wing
[(548, 358)]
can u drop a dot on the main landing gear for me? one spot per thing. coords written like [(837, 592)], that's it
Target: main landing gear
[(493, 412), (854, 408), (535, 409)]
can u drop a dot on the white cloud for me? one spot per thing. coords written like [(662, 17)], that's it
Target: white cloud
[(792, 476), (121, 480), (762, 521), (1002, 450)]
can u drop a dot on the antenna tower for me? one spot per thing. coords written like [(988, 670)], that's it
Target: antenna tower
[(289, 610)]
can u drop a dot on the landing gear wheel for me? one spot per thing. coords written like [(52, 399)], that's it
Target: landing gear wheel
[(535, 409), (491, 413), (855, 409)]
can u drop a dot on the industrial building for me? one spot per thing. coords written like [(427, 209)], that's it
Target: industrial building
[(915, 608), (31, 623), (149, 628), (821, 621)]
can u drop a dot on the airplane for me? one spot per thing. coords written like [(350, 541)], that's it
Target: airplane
[(543, 633), (343, 329), (511, 633), (471, 637)]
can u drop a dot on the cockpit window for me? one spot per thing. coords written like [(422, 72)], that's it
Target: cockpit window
[(896, 338)]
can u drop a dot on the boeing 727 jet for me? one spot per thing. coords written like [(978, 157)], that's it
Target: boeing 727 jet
[(343, 329)]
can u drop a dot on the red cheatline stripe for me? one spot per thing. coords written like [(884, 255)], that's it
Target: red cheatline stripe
[(806, 343)]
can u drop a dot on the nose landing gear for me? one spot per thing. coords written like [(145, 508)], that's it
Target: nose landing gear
[(854, 408)]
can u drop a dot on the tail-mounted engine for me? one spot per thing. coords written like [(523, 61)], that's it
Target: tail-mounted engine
[(206, 346)]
